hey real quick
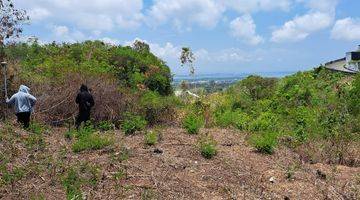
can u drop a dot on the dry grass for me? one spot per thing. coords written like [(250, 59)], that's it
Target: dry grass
[(132, 170)]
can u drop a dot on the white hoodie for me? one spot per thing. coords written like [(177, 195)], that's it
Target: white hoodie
[(23, 100)]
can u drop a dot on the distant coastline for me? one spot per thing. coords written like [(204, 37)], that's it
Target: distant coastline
[(225, 78)]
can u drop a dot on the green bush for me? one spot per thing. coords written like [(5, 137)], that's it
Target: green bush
[(208, 147), (192, 123), (159, 83), (151, 138), (157, 107), (265, 121), (264, 143), (133, 123), (236, 119)]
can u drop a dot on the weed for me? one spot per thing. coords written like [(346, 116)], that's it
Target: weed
[(264, 143), (208, 147), (133, 123), (192, 123), (151, 138)]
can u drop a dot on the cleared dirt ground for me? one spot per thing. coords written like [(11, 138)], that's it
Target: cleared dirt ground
[(174, 169)]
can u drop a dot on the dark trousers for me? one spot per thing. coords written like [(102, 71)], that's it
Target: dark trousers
[(83, 116), (24, 118)]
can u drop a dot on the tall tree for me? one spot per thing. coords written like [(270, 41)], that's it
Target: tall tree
[(141, 46), (188, 58), (11, 20)]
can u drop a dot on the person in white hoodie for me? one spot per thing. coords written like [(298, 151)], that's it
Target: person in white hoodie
[(24, 103)]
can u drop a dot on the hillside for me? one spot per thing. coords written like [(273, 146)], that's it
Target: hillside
[(295, 137), (172, 169)]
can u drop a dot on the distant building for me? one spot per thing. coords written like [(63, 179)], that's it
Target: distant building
[(349, 64)]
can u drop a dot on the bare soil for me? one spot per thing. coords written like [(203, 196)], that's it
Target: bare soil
[(175, 169)]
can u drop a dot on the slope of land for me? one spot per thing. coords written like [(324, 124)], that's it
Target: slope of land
[(172, 169)]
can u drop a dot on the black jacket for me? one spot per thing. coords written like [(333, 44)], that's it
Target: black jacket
[(85, 100)]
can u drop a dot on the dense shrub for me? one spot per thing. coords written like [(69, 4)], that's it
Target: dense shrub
[(354, 96), (157, 108), (133, 123), (265, 121), (192, 123), (236, 119), (259, 87)]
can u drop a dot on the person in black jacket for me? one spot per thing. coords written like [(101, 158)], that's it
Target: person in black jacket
[(86, 102)]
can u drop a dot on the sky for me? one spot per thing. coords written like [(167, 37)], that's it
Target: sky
[(226, 36)]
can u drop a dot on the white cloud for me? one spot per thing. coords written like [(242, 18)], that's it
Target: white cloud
[(346, 29), (232, 55), (110, 41), (60, 31), (244, 29), (166, 51), (249, 6), (37, 14), (100, 15), (301, 27), (320, 16), (205, 13), (64, 34)]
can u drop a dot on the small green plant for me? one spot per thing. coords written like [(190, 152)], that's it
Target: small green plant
[(208, 147), (133, 123), (94, 141), (105, 126), (192, 123), (151, 138), (148, 194), (264, 143), (120, 174)]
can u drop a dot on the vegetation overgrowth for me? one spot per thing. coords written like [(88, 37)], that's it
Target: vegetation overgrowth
[(120, 78), (317, 109)]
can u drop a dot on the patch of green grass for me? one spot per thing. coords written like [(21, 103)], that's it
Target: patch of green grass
[(192, 123), (105, 126), (208, 147), (35, 141), (37, 128), (72, 184), (151, 138), (264, 143), (93, 141)]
